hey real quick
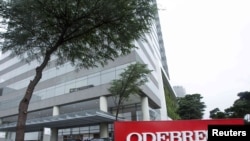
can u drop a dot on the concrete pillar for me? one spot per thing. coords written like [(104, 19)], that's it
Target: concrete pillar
[(54, 134), (103, 103), (54, 131), (56, 111), (2, 136), (145, 108), (46, 134), (104, 133)]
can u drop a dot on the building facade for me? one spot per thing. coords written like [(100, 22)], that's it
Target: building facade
[(76, 105), (180, 91)]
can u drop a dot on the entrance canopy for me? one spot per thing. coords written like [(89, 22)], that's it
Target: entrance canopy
[(76, 119)]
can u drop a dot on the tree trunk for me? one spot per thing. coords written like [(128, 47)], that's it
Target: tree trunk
[(118, 108), (117, 112), (24, 103), (23, 110)]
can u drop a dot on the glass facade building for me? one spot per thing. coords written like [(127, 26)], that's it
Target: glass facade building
[(76, 105)]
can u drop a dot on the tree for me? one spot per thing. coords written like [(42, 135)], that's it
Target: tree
[(191, 107), (240, 108), (134, 76), (86, 33), (217, 114), (171, 103)]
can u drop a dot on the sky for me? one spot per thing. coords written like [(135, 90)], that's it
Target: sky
[(207, 46)]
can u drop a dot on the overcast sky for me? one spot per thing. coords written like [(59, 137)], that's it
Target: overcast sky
[(208, 48)]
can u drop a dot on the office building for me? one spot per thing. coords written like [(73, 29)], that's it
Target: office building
[(180, 91), (76, 105)]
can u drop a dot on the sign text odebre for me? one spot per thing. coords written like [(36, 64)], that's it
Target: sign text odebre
[(175, 130)]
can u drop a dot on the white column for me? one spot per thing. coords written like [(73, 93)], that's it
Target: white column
[(54, 131), (103, 126), (56, 111), (2, 135), (103, 104), (145, 108), (46, 134)]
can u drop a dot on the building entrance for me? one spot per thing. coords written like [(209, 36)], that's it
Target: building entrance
[(86, 133)]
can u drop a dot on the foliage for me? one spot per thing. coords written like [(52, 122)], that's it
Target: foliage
[(240, 108), (87, 31), (134, 76), (217, 114), (191, 107), (172, 105), (84, 32)]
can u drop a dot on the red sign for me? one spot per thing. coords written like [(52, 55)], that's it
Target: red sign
[(172, 130)]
